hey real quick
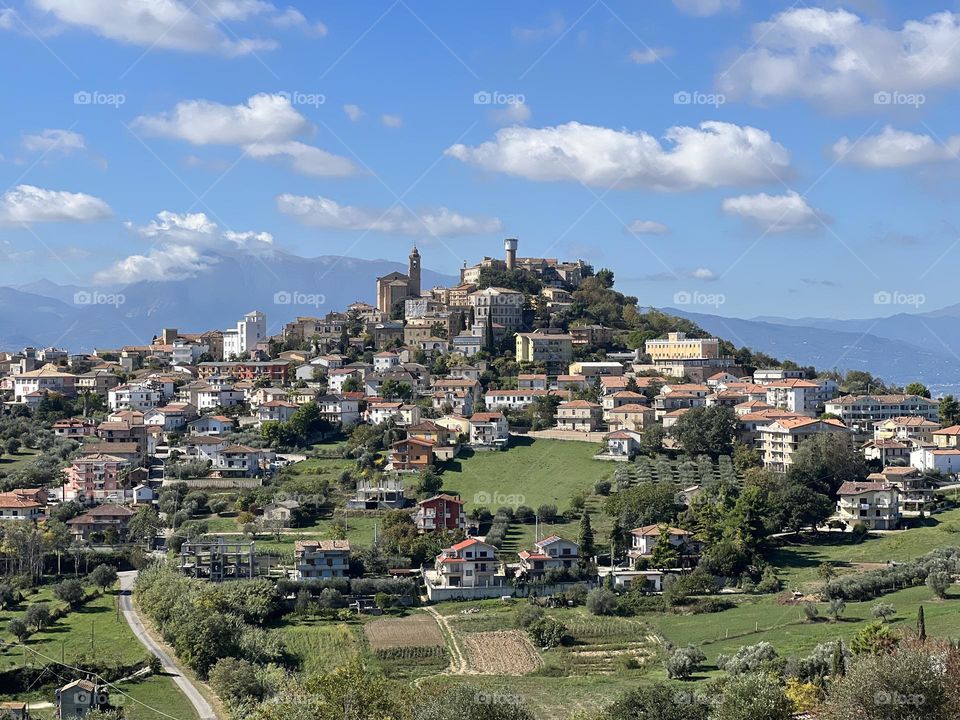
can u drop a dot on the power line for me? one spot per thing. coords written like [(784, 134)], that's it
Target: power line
[(99, 677)]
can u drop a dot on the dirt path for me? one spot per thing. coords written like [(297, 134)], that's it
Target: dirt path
[(458, 663)]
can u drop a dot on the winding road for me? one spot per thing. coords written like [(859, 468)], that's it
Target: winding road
[(170, 665)]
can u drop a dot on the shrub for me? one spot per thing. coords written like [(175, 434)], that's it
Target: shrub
[(684, 662), (602, 487), (548, 633), (749, 658), (601, 601), (70, 591), (811, 611), (527, 615), (18, 628), (235, 680), (939, 581)]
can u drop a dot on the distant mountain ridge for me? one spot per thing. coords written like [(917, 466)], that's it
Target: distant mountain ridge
[(900, 348), (83, 318)]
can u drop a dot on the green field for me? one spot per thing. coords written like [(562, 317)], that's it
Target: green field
[(156, 698), (9, 463), (531, 472)]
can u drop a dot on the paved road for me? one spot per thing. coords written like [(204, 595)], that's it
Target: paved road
[(170, 665)]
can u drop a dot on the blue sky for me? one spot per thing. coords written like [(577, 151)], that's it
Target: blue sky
[(757, 158)]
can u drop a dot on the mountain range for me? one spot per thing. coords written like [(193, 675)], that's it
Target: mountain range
[(282, 285), (898, 348)]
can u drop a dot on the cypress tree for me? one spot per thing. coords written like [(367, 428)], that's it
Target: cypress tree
[(837, 662), (585, 536), (921, 625)]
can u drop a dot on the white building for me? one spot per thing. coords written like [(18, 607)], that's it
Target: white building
[(249, 331)]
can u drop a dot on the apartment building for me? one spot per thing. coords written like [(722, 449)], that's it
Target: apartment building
[(500, 306), (875, 504), (862, 412), (677, 346), (321, 559), (780, 439), (552, 349)]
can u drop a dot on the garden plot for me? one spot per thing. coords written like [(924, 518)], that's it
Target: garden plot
[(502, 652)]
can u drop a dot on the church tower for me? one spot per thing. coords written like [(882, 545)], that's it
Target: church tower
[(414, 273)]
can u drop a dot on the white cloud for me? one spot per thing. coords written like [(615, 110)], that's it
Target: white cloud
[(895, 148), (9, 254), (31, 204), (775, 213), (354, 112), (185, 244), (262, 118), (705, 274), (648, 56), (647, 227), (392, 121), (836, 59), (8, 18), (515, 113), (327, 213), (705, 8), (65, 141), (551, 29), (264, 126), (164, 24), (305, 159), (715, 154), (293, 18)]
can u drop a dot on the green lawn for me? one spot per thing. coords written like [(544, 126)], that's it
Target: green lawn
[(531, 472), (9, 463), (156, 698), (320, 646)]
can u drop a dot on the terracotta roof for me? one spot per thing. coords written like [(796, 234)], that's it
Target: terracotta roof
[(654, 531), (855, 488), (323, 545)]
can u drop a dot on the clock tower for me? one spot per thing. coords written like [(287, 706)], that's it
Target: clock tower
[(414, 273)]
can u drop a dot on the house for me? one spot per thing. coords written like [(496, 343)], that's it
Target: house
[(276, 411), (512, 399), (947, 438), (441, 512), (381, 411), (630, 417), (489, 429), (411, 454), (321, 559), (339, 409), (469, 563), (380, 493), (96, 478), (211, 425), (74, 428), (875, 504), (780, 439), (862, 412), (171, 417), (645, 539), (238, 461), (612, 401), (383, 361), (553, 349), (47, 379), (140, 396), (281, 513), (945, 461), (908, 427), (804, 397), (14, 710), (622, 444), (101, 520), (579, 416), (532, 381), (432, 432), (77, 698), (886, 452), (591, 335), (551, 553), (592, 370), (20, 506), (916, 489)]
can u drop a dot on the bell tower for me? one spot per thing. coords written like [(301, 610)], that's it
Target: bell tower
[(414, 273)]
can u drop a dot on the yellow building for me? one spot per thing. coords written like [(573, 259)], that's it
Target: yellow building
[(552, 349), (677, 346)]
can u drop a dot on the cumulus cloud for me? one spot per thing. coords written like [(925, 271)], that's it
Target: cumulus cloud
[(164, 24), (714, 154), (8, 18), (894, 148), (554, 27), (31, 204), (705, 8), (354, 112), (775, 213), (648, 56), (65, 141), (647, 227), (262, 118), (441, 222), (184, 245), (836, 59), (705, 274), (305, 159), (392, 121), (293, 18), (264, 126), (514, 113)]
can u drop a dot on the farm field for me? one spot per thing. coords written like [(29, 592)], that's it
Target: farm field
[(322, 645), (531, 472)]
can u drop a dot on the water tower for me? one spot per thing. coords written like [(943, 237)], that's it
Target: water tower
[(510, 245)]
